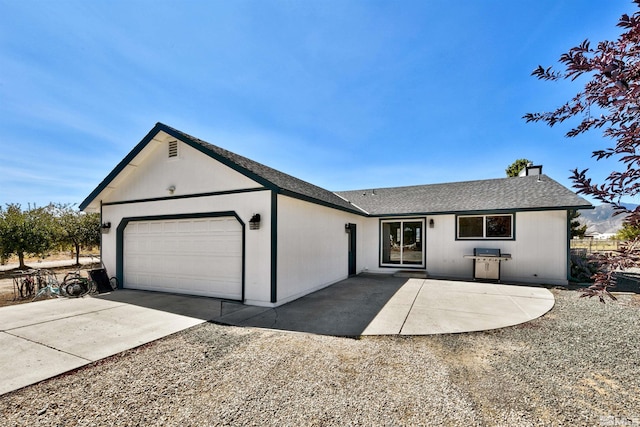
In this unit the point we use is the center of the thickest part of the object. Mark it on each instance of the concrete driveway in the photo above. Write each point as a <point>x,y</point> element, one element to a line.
<point>372,304</point>
<point>47,338</point>
<point>42,339</point>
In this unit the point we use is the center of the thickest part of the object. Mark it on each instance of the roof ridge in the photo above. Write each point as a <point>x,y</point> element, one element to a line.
<point>234,154</point>
<point>486,194</point>
<point>444,183</point>
<point>535,192</point>
<point>259,169</point>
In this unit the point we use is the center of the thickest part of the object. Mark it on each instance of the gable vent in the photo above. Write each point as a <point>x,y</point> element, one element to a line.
<point>173,149</point>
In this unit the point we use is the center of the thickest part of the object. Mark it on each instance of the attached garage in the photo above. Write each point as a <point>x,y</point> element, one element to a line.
<point>180,209</point>
<point>187,255</point>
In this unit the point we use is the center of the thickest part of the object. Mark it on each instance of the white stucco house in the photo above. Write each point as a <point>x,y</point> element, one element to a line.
<point>184,216</point>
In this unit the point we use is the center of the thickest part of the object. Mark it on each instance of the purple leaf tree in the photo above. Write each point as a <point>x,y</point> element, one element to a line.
<point>609,101</point>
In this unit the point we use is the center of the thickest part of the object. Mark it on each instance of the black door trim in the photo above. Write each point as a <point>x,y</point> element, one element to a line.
<point>127,220</point>
<point>352,248</point>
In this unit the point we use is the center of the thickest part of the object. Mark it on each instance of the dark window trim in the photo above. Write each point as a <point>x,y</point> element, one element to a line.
<point>423,239</point>
<point>484,215</point>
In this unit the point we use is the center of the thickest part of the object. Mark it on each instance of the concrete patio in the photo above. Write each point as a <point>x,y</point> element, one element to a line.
<point>371,304</point>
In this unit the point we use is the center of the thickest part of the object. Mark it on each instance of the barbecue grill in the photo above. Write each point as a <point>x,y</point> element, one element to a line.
<point>486,263</point>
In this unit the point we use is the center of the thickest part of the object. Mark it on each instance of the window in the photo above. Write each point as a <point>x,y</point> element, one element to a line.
<point>485,227</point>
<point>402,243</point>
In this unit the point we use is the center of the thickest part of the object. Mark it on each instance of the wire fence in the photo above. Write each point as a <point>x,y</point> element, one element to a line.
<point>588,246</point>
<point>582,269</point>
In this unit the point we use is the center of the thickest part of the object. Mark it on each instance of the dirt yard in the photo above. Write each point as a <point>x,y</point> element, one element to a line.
<point>575,366</point>
<point>8,294</point>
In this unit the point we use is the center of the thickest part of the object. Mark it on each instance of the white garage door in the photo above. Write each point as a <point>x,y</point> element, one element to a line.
<point>197,256</point>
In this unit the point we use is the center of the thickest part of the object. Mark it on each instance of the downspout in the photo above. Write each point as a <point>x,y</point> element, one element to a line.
<point>274,246</point>
<point>568,246</point>
<point>101,222</point>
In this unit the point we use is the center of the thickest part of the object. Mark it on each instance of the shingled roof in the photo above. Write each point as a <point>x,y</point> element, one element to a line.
<point>519,193</point>
<point>269,177</point>
<point>536,192</point>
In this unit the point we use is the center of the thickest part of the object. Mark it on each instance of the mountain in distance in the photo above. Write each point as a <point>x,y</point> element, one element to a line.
<point>601,220</point>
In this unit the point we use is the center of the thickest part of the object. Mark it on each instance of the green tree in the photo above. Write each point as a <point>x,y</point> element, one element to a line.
<point>515,167</point>
<point>577,230</point>
<point>26,232</point>
<point>628,232</point>
<point>82,230</point>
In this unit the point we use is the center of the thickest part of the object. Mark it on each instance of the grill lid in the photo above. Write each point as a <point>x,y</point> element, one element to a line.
<point>486,252</point>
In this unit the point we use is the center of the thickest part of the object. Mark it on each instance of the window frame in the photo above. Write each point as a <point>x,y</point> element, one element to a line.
<point>422,236</point>
<point>484,217</point>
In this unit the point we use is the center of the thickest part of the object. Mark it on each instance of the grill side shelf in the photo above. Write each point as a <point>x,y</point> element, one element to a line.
<point>502,257</point>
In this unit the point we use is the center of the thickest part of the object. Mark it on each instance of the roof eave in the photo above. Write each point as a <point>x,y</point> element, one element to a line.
<point>355,210</point>
<point>485,211</point>
<point>160,127</point>
<point>120,166</point>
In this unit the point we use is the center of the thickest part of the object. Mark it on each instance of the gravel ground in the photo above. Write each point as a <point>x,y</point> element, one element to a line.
<point>577,365</point>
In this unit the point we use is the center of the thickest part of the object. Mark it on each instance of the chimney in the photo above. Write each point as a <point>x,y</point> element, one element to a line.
<point>530,169</point>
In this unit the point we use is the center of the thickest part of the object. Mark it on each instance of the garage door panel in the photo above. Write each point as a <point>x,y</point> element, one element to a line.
<point>220,273</point>
<point>185,285</point>
<point>194,256</point>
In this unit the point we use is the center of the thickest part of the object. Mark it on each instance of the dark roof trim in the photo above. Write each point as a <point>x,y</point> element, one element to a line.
<point>486,211</point>
<point>304,198</point>
<point>222,193</point>
<point>202,147</point>
<point>274,180</point>
<point>186,196</point>
<point>227,162</point>
<point>128,158</point>
<point>159,127</point>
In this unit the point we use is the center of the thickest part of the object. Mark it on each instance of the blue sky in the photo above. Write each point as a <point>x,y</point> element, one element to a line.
<point>344,94</point>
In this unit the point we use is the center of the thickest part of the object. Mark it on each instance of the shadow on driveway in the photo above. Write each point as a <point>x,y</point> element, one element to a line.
<point>343,309</point>
<point>203,308</point>
<point>370,304</point>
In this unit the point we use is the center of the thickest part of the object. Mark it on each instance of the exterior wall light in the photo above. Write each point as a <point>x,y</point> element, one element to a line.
<point>431,223</point>
<point>254,222</point>
<point>347,228</point>
<point>171,189</point>
<point>105,227</point>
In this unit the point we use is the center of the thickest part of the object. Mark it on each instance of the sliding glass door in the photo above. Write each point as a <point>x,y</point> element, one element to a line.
<point>402,242</point>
